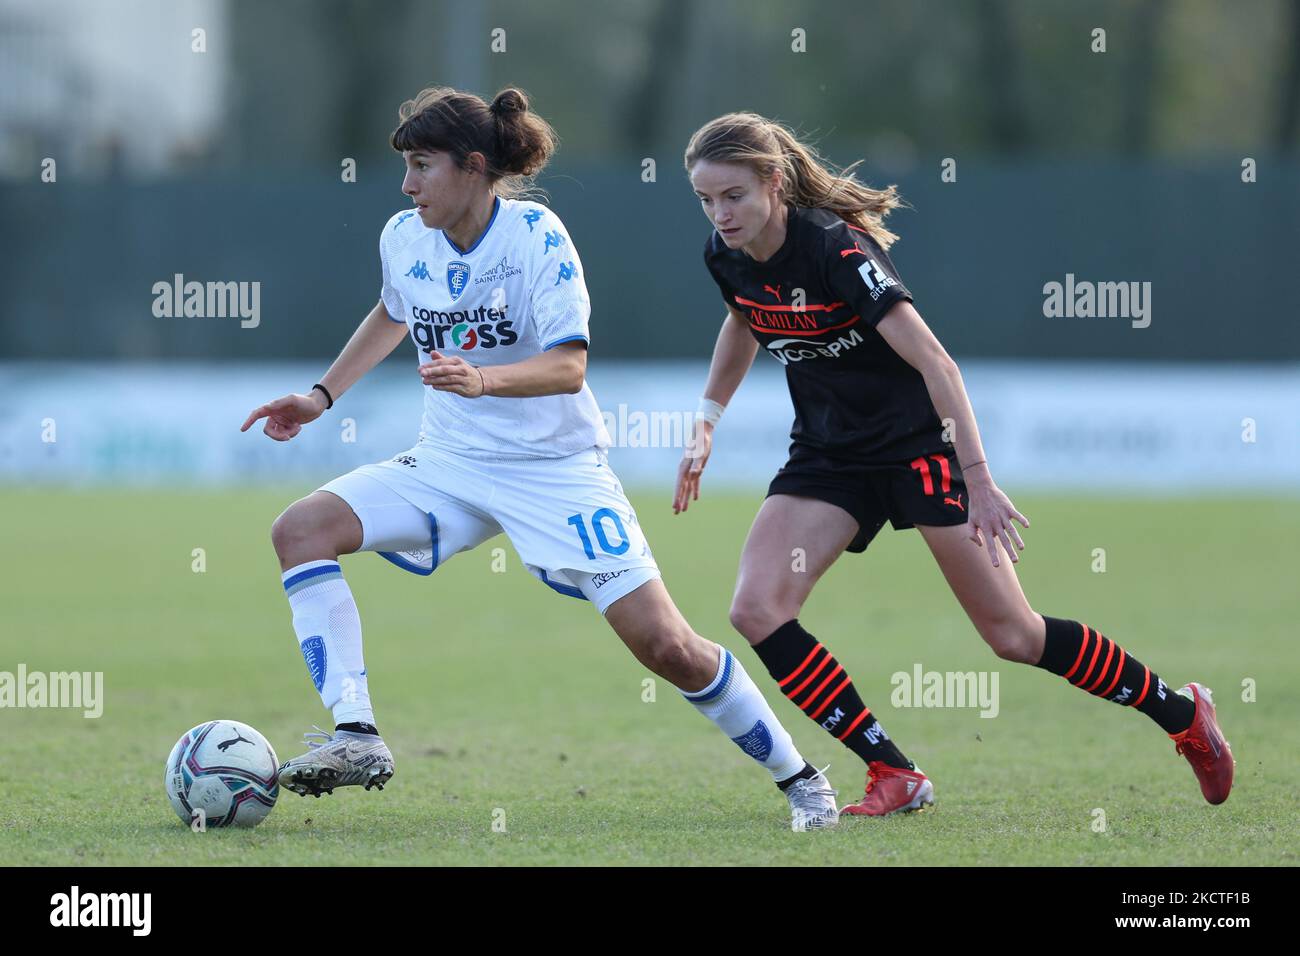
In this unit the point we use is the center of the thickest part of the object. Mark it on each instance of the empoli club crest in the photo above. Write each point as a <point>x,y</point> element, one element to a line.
<point>457,278</point>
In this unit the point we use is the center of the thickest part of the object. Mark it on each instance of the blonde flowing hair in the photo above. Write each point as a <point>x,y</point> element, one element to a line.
<point>806,178</point>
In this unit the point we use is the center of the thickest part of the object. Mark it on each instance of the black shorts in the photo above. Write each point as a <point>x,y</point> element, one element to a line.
<point>928,490</point>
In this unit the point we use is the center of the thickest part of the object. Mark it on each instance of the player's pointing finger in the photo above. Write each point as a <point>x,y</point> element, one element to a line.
<point>253,416</point>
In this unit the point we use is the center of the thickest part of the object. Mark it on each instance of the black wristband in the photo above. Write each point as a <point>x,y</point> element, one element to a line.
<point>328,397</point>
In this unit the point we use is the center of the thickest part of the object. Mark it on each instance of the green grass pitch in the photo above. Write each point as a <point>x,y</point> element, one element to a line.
<point>497,694</point>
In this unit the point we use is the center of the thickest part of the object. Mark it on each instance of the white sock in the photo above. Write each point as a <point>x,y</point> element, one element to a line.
<point>741,712</point>
<point>329,635</point>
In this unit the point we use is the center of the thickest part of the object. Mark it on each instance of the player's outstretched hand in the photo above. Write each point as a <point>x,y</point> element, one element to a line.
<point>692,465</point>
<point>452,374</point>
<point>992,514</point>
<point>286,416</point>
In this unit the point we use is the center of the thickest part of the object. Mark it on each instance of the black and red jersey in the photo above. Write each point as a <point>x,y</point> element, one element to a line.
<point>813,306</point>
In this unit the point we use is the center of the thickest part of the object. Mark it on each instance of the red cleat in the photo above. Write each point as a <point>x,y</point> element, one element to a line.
<point>892,790</point>
<point>1204,747</point>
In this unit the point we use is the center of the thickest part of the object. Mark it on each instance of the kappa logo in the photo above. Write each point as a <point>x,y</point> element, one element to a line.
<point>402,218</point>
<point>419,271</point>
<point>605,577</point>
<point>554,239</point>
<point>531,217</point>
<point>457,278</point>
<point>567,271</point>
<point>407,460</point>
<point>875,278</point>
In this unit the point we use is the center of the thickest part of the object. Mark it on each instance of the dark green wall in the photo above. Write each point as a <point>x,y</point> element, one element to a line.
<point>79,261</point>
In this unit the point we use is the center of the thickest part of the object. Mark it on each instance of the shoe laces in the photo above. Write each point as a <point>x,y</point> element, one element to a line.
<point>877,770</point>
<point>1197,744</point>
<point>808,796</point>
<point>313,744</point>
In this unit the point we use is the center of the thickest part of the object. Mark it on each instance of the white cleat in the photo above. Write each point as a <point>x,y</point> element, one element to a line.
<point>812,804</point>
<point>341,759</point>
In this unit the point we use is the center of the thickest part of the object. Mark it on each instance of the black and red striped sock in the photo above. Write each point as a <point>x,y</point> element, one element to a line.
<point>1095,663</point>
<point>817,684</point>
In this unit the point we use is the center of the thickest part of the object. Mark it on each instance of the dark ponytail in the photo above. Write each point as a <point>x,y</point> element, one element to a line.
<point>516,142</point>
<point>524,141</point>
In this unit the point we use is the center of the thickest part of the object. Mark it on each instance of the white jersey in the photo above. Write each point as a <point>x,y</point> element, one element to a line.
<point>516,292</point>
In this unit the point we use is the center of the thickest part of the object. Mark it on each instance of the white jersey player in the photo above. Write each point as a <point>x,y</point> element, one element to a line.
<point>490,289</point>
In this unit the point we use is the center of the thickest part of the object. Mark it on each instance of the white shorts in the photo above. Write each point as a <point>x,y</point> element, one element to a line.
<point>568,518</point>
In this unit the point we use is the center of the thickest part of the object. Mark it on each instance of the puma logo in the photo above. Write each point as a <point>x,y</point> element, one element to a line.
<point>226,744</point>
<point>775,291</point>
<point>845,253</point>
<point>957,502</point>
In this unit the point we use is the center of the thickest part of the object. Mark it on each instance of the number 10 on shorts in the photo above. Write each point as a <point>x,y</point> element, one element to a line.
<point>602,536</point>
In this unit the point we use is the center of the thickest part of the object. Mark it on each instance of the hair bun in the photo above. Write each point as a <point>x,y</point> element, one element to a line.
<point>509,100</point>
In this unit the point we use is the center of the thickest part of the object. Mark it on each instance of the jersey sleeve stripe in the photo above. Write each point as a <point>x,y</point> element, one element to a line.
<point>567,338</point>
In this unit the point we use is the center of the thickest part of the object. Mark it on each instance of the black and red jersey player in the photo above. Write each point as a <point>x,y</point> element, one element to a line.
<point>883,431</point>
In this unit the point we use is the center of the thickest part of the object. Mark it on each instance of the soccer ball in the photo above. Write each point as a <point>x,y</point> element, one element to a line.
<point>220,774</point>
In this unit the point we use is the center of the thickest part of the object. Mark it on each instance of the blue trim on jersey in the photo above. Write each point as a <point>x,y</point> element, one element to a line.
<point>311,573</point>
<point>479,241</point>
<point>708,695</point>
<point>567,338</point>
<point>415,568</point>
<point>565,589</point>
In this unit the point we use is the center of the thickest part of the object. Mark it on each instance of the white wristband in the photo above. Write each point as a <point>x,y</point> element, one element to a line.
<point>709,411</point>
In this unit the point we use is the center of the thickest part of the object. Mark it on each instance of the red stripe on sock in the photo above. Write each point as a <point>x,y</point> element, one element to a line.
<point>1110,653</point>
<point>820,687</point>
<point>828,700</point>
<point>866,712</point>
<point>1119,669</point>
<point>794,673</point>
<point>1146,683</point>
<point>1082,647</point>
<point>811,677</point>
<point>1091,664</point>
